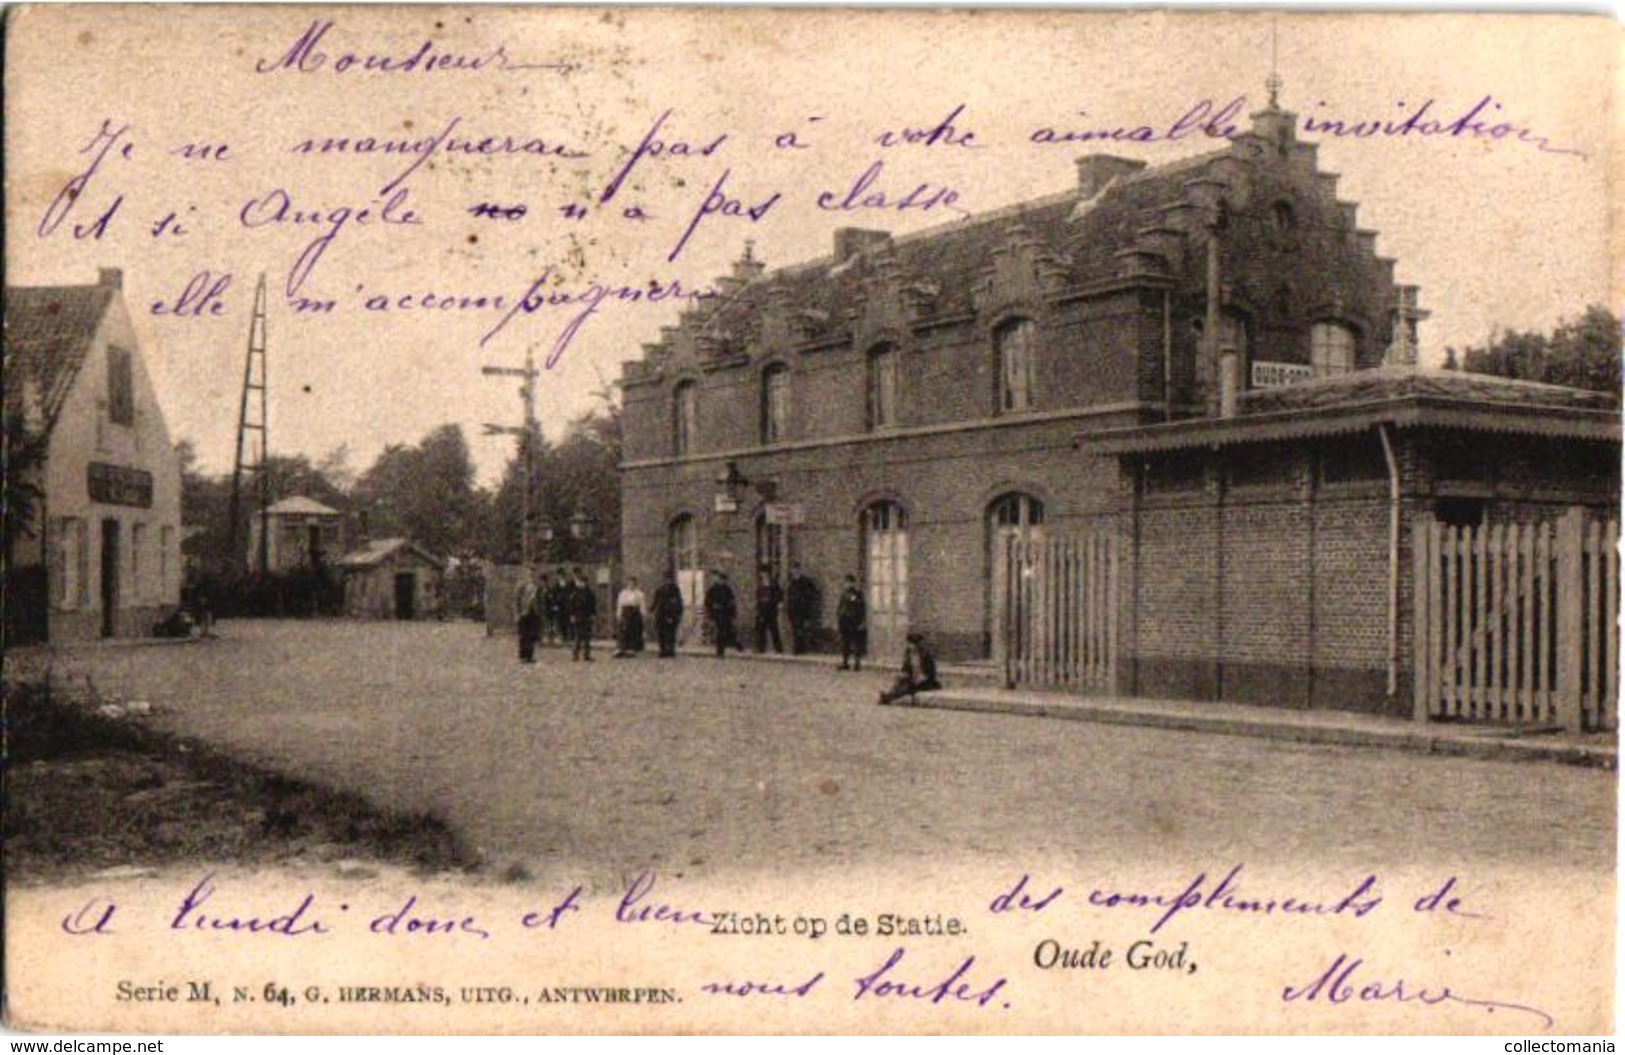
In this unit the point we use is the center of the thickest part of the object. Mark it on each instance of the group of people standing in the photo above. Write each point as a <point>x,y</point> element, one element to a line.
<point>556,611</point>
<point>799,601</point>
<point>567,608</point>
<point>633,612</point>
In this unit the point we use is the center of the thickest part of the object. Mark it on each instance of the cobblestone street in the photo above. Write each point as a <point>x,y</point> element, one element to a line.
<point>700,766</point>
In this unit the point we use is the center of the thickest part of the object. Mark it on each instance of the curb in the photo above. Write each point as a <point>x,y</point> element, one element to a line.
<point>1432,743</point>
<point>1487,746</point>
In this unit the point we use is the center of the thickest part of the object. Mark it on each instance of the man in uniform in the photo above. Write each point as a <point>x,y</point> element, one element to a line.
<point>769,597</point>
<point>583,608</point>
<point>668,613</point>
<point>556,609</point>
<point>852,620</point>
<point>720,609</point>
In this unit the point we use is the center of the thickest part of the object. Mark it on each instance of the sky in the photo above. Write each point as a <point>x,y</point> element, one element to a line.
<point>202,113</point>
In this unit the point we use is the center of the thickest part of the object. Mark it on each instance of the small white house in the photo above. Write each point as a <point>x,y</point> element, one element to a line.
<point>392,578</point>
<point>100,555</point>
<point>301,533</point>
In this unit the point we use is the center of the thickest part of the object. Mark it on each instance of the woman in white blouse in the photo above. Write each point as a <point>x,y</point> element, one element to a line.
<point>631,608</point>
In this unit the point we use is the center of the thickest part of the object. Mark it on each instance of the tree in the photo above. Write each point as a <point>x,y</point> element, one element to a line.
<point>425,493</point>
<point>205,515</point>
<point>336,469</point>
<point>1582,353</point>
<point>292,475</point>
<point>23,457</point>
<point>1585,353</point>
<point>577,476</point>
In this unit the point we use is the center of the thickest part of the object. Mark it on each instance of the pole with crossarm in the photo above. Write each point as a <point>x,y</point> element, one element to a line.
<point>527,434</point>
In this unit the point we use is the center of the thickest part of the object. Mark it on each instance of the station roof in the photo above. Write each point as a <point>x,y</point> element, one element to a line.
<point>1404,397</point>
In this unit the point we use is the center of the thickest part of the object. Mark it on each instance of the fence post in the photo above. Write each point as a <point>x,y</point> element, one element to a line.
<point>1001,603</point>
<point>1570,623</point>
<point>1422,594</point>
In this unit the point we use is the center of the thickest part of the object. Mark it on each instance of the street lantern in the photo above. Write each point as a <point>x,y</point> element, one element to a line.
<point>582,524</point>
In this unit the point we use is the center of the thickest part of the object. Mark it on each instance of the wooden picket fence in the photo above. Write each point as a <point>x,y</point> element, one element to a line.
<point>1518,624</point>
<point>1055,610</point>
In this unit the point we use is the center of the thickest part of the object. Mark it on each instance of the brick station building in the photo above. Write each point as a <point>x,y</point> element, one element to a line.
<point>898,409</point>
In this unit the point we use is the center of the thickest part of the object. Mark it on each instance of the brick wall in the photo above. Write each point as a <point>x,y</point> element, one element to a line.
<point>944,481</point>
<point>1260,592</point>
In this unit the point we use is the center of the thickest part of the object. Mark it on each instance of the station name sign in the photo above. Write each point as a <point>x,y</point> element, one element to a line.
<point>119,485</point>
<point>1279,375</point>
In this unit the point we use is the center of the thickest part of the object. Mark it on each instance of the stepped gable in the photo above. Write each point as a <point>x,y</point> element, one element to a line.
<point>1122,222</point>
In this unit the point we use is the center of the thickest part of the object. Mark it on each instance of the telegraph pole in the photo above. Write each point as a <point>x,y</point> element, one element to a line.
<point>253,459</point>
<point>528,434</point>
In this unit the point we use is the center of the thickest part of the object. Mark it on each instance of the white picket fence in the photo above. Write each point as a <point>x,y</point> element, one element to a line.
<point>1518,624</point>
<point>1055,610</point>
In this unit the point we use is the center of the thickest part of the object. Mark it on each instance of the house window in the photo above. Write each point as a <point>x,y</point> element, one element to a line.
<point>1013,350</point>
<point>1331,349</point>
<point>291,550</point>
<point>166,559</point>
<point>685,417</point>
<point>120,387</point>
<point>71,563</point>
<point>882,383</point>
<point>140,566</point>
<point>775,403</point>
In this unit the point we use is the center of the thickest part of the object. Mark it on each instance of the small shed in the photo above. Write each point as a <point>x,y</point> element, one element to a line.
<point>300,533</point>
<point>392,578</point>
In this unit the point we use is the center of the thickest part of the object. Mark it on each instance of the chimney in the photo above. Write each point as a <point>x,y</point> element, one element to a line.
<point>747,268</point>
<point>1407,313</point>
<point>850,241</point>
<point>111,277</point>
<point>1097,170</point>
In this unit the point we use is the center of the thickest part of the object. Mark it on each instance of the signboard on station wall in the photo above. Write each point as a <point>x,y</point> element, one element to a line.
<point>1279,375</point>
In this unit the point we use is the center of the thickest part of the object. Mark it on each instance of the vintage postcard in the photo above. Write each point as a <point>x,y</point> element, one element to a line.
<point>636,520</point>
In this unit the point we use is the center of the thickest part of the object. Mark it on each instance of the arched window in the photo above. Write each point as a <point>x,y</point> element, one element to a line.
<point>683,557</point>
<point>885,547</point>
<point>882,386</point>
<point>683,544</point>
<point>1015,512</point>
<point>775,403</point>
<point>1013,515</point>
<point>1013,355</point>
<point>1281,218</point>
<point>773,548</point>
<point>685,417</point>
<point>1331,349</point>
